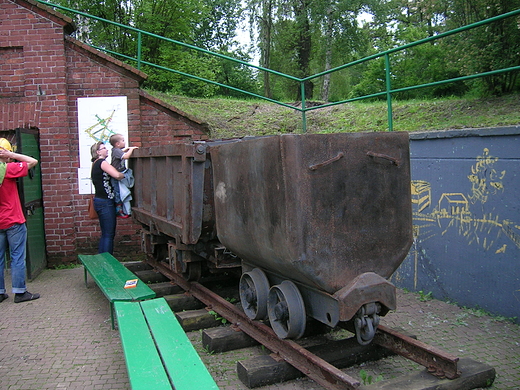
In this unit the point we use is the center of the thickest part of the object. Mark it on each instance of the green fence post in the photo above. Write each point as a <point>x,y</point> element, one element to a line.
<point>388,93</point>
<point>304,111</point>
<point>139,37</point>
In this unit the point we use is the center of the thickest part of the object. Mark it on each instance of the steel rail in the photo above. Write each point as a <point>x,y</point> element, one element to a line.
<point>309,364</point>
<point>438,363</point>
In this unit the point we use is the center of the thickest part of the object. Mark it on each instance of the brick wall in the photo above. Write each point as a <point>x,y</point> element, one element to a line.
<point>43,71</point>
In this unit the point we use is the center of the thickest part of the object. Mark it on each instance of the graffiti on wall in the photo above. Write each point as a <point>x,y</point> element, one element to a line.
<point>463,214</point>
<point>100,131</point>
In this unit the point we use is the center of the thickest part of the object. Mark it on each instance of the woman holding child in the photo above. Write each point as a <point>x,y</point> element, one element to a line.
<point>104,203</point>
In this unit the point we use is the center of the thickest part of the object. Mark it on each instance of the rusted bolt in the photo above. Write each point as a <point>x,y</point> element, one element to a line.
<point>200,149</point>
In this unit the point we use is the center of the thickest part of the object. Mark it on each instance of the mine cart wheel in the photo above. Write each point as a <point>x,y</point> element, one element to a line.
<point>286,310</point>
<point>193,271</point>
<point>254,289</point>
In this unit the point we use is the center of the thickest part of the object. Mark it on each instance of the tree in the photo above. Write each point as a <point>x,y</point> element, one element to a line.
<point>208,24</point>
<point>216,29</point>
<point>490,47</point>
<point>262,17</point>
<point>343,40</point>
<point>304,37</point>
<point>304,43</point>
<point>405,21</point>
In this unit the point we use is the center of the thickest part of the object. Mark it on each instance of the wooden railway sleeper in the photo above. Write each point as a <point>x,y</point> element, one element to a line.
<point>309,364</point>
<point>437,362</point>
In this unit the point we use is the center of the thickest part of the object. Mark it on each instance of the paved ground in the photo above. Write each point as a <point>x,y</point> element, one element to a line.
<point>64,340</point>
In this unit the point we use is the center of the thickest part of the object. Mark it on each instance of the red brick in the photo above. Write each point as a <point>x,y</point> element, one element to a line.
<point>35,56</point>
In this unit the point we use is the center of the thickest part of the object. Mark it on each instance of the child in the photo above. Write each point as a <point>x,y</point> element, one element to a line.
<point>119,154</point>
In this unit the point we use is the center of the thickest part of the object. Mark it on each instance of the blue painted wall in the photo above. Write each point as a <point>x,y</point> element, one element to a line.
<point>466,215</point>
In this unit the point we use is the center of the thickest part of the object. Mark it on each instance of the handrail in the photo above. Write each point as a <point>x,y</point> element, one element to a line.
<point>197,77</point>
<point>419,42</point>
<point>303,110</point>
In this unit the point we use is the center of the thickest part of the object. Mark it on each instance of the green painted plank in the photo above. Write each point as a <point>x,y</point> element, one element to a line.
<point>145,369</point>
<point>101,269</point>
<point>110,275</point>
<point>186,369</point>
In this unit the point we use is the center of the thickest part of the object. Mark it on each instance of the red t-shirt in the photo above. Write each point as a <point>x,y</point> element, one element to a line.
<point>10,206</point>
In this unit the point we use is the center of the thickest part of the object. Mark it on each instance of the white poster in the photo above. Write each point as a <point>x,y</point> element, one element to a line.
<point>98,119</point>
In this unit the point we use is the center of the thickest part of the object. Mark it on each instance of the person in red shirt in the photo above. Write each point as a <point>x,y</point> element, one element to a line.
<point>13,231</point>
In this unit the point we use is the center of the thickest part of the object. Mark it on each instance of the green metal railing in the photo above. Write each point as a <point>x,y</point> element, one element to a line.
<point>386,54</point>
<point>303,109</point>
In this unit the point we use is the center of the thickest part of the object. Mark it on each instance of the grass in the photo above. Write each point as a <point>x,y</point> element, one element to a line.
<point>425,297</point>
<point>478,312</point>
<point>236,118</point>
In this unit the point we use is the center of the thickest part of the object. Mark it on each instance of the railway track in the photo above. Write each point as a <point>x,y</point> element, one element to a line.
<point>438,363</point>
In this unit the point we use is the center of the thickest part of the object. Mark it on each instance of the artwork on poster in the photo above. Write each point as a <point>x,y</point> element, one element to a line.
<point>98,119</point>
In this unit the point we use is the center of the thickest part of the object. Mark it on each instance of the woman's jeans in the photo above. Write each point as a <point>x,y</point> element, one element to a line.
<point>16,236</point>
<point>106,211</point>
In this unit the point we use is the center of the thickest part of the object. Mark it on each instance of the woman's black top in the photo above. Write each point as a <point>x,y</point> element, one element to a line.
<point>101,181</point>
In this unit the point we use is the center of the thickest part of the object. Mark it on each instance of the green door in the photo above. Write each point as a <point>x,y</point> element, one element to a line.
<point>30,189</point>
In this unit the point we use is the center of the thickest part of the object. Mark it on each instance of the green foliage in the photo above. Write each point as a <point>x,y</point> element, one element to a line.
<point>218,317</point>
<point>479,312</point>
<point>372,81</point>
<point>490,47</point>
<point>217,25</point>
<point>202,66</point>
<point>236,75</point>
<point>367,379</point>
<point>425,297</point>
<point>207,350</point>
<point>304,37</point>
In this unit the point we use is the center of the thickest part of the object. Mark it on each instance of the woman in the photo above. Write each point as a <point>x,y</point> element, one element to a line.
<point>104,203</point>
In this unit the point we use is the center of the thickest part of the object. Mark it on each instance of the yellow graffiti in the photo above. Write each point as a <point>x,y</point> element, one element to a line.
<point>100,130</point>
<point>421,194</point>
<point>484,179</point>
<point>501,250</point>
<point>453,209</point>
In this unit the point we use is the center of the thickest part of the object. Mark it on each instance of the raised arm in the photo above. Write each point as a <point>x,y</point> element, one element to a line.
<point>128,152</point>
<point>6,154</point>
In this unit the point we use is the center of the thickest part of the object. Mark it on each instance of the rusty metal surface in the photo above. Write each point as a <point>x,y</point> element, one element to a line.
<point>437,362</point>
<point>320,208</point>
<point>365,288</point>
<point>169,191</point>
<point>309,364</point>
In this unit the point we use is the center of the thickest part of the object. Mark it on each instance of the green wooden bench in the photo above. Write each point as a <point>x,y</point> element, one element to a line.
<point>111,275</point>
<point>157,351</point>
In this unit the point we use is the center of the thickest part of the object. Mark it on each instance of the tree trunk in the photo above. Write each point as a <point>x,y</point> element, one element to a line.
<point>328,57</point>
<point>304,45</point>
<point>266,27</point>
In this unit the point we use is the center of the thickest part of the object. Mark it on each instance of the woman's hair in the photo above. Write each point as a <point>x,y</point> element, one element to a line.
<point>94,148</point>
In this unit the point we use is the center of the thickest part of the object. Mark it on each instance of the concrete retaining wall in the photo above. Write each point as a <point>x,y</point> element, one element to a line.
<point>466,215</point>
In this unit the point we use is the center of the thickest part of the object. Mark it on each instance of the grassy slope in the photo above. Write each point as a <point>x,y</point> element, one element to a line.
<point>231,118</point>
